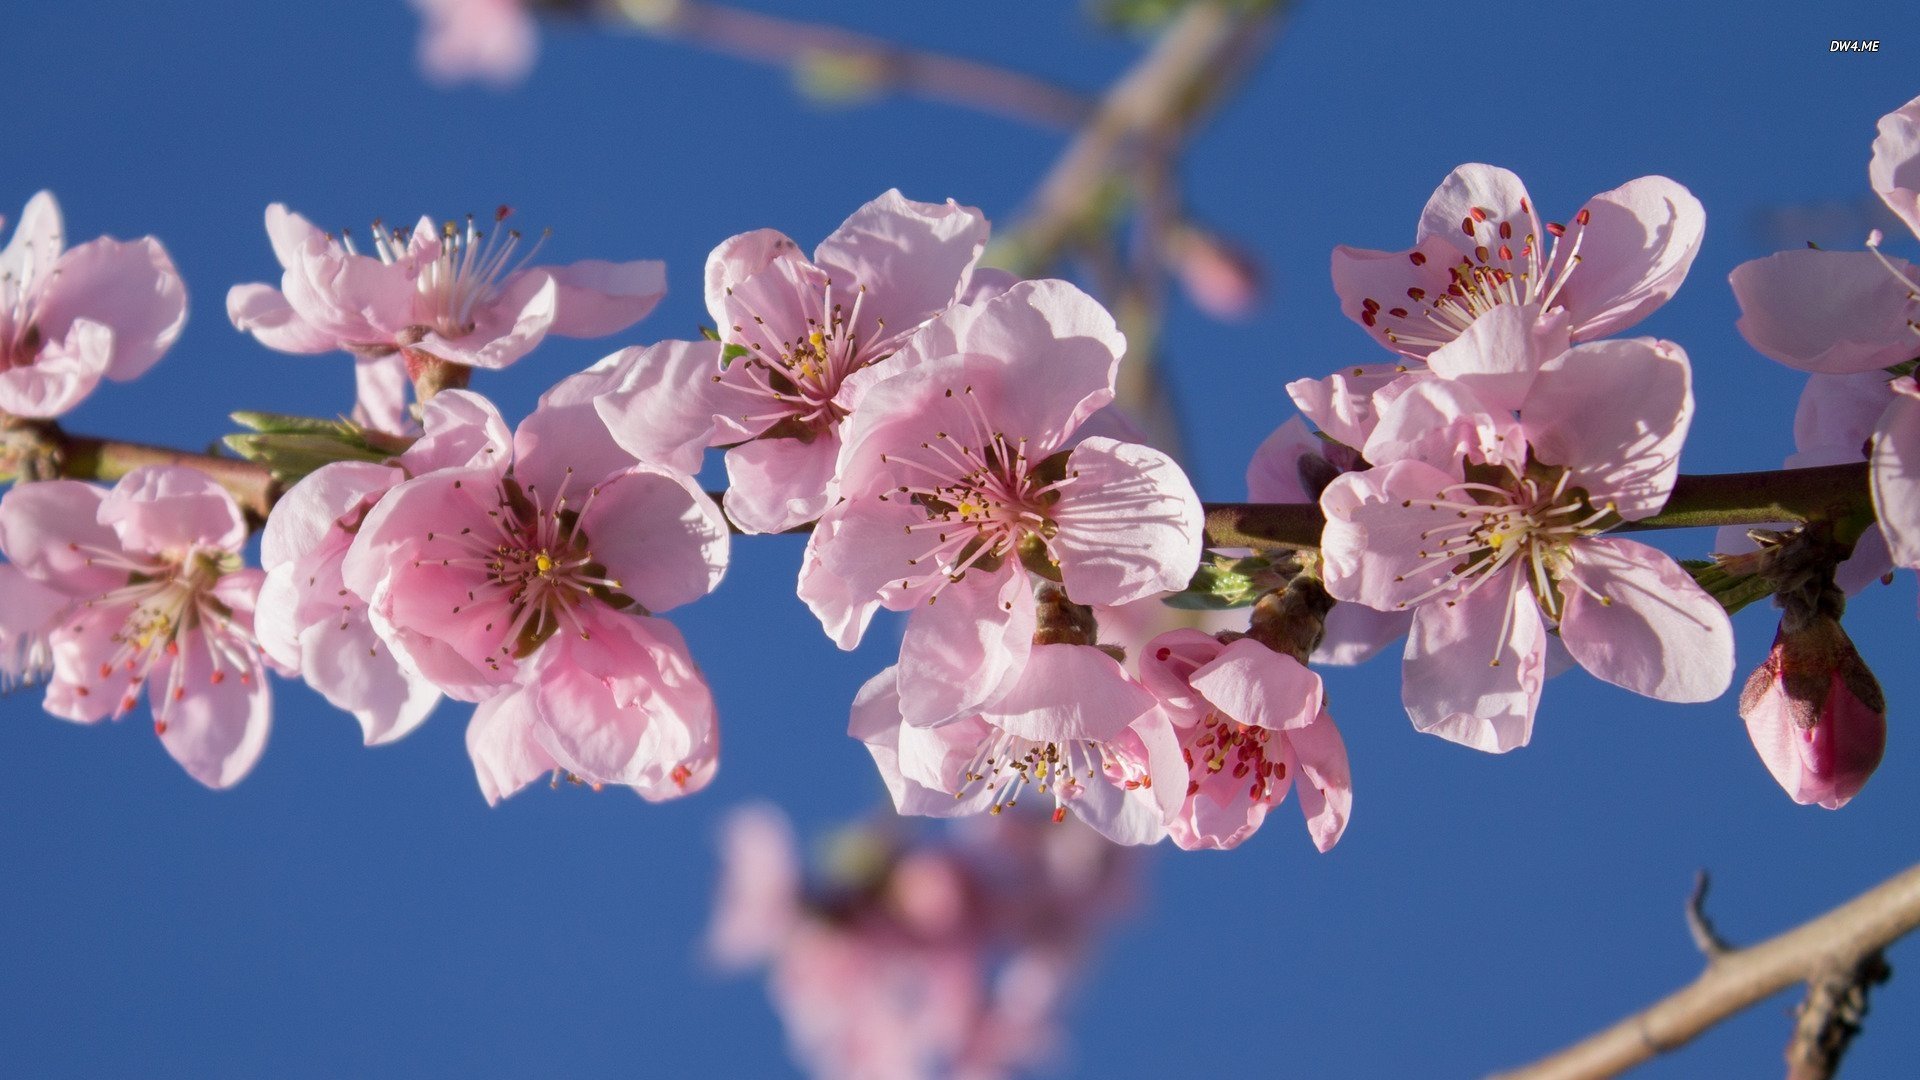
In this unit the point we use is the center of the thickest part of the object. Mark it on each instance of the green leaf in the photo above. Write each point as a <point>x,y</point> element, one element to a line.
<point>710,333</point>
<point>731,353</point>
<point>1733,590</point>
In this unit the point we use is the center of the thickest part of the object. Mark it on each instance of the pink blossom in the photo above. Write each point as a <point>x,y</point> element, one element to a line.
<point>798,340</point>
<point>530,585</point>
<point>108,308</point>
<point>448,293</point>
<point>495,40</point>
<point>965,468</point>
<point>1250,722</point>
<point>1857,313</point>
<point>1480,246</point>
<point>906,958</point>
<point>1816,714</point>
<point>1075,730</point>
<point>309,620</point>
<point>1486,527</point>
<point>152,594</point>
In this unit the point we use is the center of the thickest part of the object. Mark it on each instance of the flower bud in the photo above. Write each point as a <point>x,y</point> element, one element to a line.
<point>1218,277</point>
<point>1815,713</point>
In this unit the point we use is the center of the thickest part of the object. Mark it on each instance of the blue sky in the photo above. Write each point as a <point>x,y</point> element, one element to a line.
<point>354,912</point>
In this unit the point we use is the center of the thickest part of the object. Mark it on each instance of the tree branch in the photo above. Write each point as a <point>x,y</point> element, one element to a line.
<point>1835,950</point>
<point>867,61</point>
<point>34,450</point>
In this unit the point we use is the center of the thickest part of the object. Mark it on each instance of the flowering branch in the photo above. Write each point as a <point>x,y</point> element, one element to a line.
<point>1837,954</point>
<point>1833,492</point>
<point>839,59</point>
<point>39,450</point>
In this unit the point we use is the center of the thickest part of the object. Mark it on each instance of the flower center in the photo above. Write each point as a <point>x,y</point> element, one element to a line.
<point>22,287</point>
<point>983,498</point>
<point>1496,273</point>
<point>1220,751</point>
<point>1008,765</point>
<point>1520,522</point>
<point>168,601</point>
<point>466,271</point>
<point>802,375</point>
<point>532,560</point>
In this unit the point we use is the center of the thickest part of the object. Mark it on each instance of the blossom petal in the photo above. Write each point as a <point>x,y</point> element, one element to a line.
<point>217,728</point>
<point>778,484</point>
<point>45,528</point>
<point>1896,474</point>
<point>913,258</point>
<point>1466,683</point>
<point>1129,524</point>
<point>595,298</point>
<point>459,430</point>
<point>1317,758</point>
<point>662,404</point>
<point>130,286</point>
<point>1481,194</point>
<point>1656,632</point>
<point>917,765</point>
<point>1639,241</point>
<point>262,310</point>
<point>1441,421</point>
<point>62,375</point>
<point>1501,353</point>
<point>1834,312</point>
<point>1068,693</point>
<point>1615,414</point>
<point>1895,168</point>
<point>658,535</point>
<point>966,649</point>
<point>1254,685</point>
<point>739,258</point>
<point>170,508</point>
<point>506,756</point>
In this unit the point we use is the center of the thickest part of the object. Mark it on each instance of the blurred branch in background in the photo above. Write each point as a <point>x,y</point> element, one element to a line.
<point>1838,955</point>
<point>835,63</point>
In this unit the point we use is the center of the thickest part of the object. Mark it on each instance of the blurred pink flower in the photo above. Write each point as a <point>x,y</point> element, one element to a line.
<point>108,308</point>
<point>153,595</point>
<point>448,293</point>
<point>494,40</point>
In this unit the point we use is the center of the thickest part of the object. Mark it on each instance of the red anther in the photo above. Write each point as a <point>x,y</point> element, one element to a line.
<point>1416,295</point>
<point>1466,226</point>
<point>106,670</point>
<point>1506,230</point>
<point>82,691</point>
<point>173,648</point>
<point>1554,228</point>
<point>1193,788</point>
<point>1131,785</point>
<point>1279,770</point>
<point>1240,771</point>
<point>680,775</point>
<point>1162,653</point>
<point>179,693</point>
<point>1478,213</point>
<point>1482,253</point>
<point>1188,754</point>
<point>1370,304</point>
<point>1506,252</point>
<point>245,679</point>
<point>1059,814</point>
<point>217,678</point>
<point>1254,792</point>
<point>159,727</point>
<point>1523,205</point>
<point>127,703</point>
<point>503,212</point>
<point>1146,781</point>
<point>1398,313</point>
<point>1583,216</point>
<point>1417,258</point>
<point>1367,317</point>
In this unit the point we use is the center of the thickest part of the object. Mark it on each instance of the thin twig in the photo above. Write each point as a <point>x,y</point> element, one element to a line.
<point>1831,1016</point>
<point>1843,939</point>
<point>1705,938</point>
<point>871,62</point>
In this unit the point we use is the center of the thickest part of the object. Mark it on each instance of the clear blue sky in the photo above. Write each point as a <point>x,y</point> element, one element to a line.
<point>354,912</point>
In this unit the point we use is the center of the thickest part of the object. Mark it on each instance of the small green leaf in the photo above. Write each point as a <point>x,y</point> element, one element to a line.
<point>731,353</point>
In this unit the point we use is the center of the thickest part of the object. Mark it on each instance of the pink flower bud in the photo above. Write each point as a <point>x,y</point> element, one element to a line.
<point>1218,277</point>
<point>1816,714</point>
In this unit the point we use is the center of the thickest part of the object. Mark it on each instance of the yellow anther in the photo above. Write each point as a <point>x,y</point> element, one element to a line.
<point>544,563</point>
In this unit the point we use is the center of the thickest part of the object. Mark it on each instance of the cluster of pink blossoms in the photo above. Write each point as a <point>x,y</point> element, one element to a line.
<point>1467,486</point>
<point>909,960</point>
